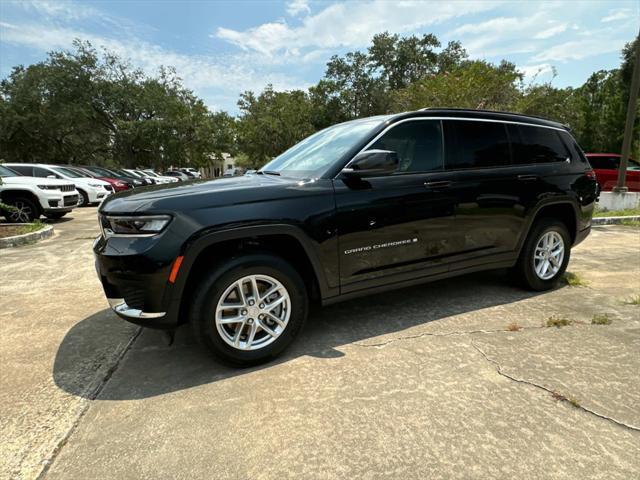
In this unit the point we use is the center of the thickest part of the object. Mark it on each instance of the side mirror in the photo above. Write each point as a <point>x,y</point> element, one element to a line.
<point>372,163</point>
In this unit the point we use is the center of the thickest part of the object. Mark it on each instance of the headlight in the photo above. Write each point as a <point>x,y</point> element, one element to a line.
<point>140,225</point>
<point>49,187</point>
<point>138,182</point>
<point>95,185</point>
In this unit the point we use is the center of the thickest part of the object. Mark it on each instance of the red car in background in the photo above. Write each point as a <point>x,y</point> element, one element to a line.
<point>606,167</point>
<point>118,184</point>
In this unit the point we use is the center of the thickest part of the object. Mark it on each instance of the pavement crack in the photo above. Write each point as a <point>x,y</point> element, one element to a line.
<point>447,334</point>
<point>555,394</point>
<point>90,395</point>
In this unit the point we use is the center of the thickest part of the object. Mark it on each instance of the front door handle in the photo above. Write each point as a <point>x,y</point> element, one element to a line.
<point>527,178</point>
<point>438,184</point>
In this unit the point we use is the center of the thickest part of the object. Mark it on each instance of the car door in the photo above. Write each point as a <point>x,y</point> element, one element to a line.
<point>490,191</point>
<point>397,226</point>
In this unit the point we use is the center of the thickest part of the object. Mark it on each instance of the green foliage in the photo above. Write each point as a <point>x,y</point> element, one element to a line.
<point>85,106</point>
<point>574,280</point>
<point>82,107</point>
<point>474,84</point>
<point>601,319</point>
<point>556,321</point>
<point>272,122</point>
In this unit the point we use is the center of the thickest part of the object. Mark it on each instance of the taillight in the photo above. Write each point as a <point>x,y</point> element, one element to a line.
<point>591,174</point>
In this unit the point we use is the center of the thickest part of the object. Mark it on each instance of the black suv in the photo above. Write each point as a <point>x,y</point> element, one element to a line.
<point>361,207</point>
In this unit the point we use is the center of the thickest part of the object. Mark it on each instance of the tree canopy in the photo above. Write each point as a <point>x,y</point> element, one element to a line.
<point>85,106</point>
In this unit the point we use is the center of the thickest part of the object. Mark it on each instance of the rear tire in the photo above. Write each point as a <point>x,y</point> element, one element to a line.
<point>544,256</point>
<point>230,324</point>
<point>26,210</point>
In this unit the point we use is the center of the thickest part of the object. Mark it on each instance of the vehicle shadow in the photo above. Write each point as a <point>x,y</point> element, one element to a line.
<point>152,367</point>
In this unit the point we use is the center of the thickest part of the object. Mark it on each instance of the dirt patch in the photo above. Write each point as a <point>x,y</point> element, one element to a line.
<point>10,230</point>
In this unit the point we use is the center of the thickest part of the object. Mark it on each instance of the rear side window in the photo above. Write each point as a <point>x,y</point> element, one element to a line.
<point>417,143</point>
<point>536,145</point>
<point>574,148</point>
<point>24,170</point>
<point>475,144</point>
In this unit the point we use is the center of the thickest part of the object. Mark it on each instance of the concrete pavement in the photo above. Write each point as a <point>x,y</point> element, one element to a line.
<point>427,382</point>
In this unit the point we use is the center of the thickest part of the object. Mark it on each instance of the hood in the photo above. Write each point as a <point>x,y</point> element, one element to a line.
<point>200,194</point>
<point>24,180</point>
<point>87,181</point>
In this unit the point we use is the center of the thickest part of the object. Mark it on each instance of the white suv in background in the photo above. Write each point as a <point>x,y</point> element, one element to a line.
<point>31,197</point>
<point>91,190</point>
<point>160,178</point>
<point>192,171</point>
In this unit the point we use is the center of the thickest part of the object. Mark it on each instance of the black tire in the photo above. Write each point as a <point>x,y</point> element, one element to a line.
<point>55,215</point>
<point>214,284</point>
<point>27,210</point>
<point>83,198</point>
<point>524,270</point>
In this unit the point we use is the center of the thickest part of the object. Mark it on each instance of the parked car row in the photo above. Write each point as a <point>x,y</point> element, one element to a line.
<point>32,189</point>
<point>606,166</point>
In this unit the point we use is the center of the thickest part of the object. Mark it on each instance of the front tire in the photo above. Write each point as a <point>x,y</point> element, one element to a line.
<point>24,210</point>
<point>544,256</point>
<point>248,309</point>
<point>83,199</point>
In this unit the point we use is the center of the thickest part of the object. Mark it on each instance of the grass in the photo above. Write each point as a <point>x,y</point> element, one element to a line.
<point>630,223</point>
<point>557,321</point>
<point>31,227</point>
<point>617,213</point>
<point>561,398</point>
<point>633,300</point>
<point>514,327</point>
<point>601,319</point>
<point>574,280</point>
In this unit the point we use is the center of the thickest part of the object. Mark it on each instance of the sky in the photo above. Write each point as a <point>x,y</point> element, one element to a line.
<point>222,48</point>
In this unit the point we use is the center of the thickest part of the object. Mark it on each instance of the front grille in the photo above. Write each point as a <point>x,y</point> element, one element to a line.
<point>67,188</point>
<point>108,187</point>
<point>70,200</point>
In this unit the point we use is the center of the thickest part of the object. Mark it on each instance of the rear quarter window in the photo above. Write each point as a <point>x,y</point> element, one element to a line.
<point>532,144</point>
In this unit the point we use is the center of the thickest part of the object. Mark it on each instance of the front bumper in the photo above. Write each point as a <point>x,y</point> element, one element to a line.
<point>119,306</point>
<point>97,195</point>
<point>134,274</point>
<point>57,201</point>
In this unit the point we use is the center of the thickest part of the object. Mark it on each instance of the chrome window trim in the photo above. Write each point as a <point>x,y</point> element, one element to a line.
<point>440,119</point>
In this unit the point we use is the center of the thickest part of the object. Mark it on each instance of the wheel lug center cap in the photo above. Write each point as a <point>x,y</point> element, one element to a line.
<point>253,312</point>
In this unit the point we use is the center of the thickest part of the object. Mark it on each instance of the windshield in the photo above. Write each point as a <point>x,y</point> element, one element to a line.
<point>66,172</point>
<point>7,172</point>
<point>315,154</point>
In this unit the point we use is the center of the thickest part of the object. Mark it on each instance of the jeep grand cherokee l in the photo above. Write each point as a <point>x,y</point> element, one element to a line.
<point>361,207</point>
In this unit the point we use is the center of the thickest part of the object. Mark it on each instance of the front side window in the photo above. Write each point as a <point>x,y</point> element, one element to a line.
<point>475,144</point>
<point>536,145</point>
<point>417,143</point>
<point>44,173</point>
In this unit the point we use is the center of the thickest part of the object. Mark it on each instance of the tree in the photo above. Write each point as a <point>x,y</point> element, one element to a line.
<point>474,84</point>
<point>272,122</point>
<point>82,107</point>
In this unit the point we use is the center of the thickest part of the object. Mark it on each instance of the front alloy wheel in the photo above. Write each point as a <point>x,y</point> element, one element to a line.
<point>22,211</point>
<point>249,308</point>
<point>253,312</point>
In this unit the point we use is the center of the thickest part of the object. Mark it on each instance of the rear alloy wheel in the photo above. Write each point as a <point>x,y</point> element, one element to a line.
<point>545,255</point>
<point>23,211</point>
<point>249,309</point>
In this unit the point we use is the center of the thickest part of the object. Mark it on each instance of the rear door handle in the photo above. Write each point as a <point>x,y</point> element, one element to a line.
<point>438,184</point>
<point>527,178</point>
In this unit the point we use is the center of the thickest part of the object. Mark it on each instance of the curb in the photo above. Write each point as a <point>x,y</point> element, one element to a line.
<point>613,220</point>
<point>26,238</point>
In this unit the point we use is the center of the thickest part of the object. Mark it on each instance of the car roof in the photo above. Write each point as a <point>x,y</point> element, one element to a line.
<point>479,114</point>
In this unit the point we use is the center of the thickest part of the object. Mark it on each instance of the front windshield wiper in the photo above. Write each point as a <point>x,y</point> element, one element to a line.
<point>270,172</point>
